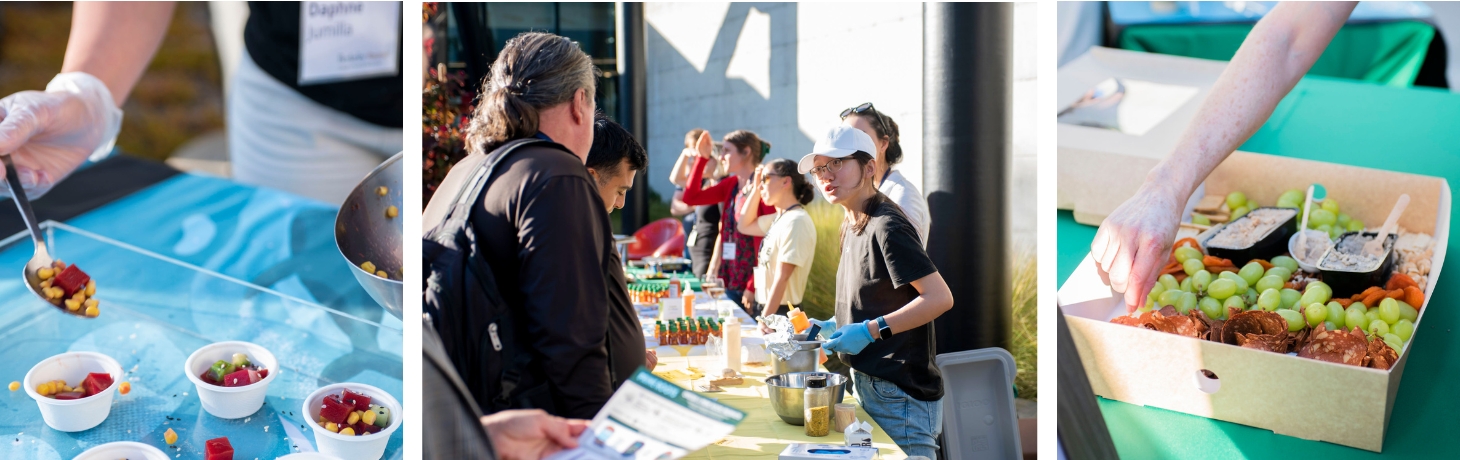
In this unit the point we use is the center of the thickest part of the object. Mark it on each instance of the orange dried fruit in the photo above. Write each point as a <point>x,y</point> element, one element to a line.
<point>1414,297</point>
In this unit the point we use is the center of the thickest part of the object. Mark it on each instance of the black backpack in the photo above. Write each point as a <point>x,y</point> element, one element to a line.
<point>476,326</point>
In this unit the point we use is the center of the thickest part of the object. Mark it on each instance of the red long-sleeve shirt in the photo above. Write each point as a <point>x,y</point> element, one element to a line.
<point>738,274</point>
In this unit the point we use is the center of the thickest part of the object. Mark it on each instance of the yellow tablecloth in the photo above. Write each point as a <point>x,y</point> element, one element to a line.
<point>762,434</point>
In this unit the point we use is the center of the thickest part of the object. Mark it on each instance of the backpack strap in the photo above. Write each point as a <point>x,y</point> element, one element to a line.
<point>461,206</point>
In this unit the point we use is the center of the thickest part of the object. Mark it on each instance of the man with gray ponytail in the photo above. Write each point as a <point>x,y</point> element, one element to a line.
<point>541,229</point>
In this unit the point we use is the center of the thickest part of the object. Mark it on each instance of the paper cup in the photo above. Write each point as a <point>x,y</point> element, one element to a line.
<point>230,402</point>
<point>368,447</point>
<point>128,450</point>
<point>76,414</point>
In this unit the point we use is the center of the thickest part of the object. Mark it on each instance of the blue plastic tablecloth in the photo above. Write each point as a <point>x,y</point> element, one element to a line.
<point>311,314</point>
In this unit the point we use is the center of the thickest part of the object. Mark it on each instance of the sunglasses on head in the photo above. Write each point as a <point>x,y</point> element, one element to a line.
<point>862,109</point>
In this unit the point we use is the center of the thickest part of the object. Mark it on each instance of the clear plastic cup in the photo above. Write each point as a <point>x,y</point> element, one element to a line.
<point>76,414</point>
<point>126,449</point>
<point>230,402</point>
<point>367,447</point>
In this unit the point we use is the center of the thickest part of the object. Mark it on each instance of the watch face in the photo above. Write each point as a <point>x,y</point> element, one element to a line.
<point>886,333</point>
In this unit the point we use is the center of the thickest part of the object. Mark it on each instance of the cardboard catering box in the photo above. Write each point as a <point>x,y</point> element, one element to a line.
<point>1279,392</point>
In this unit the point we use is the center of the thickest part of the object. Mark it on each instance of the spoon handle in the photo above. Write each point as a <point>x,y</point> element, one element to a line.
<point>17,193</point>
<point>1393,218</point>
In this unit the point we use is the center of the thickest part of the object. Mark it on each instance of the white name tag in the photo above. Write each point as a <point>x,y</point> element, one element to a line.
<point>727,252</point>
<point>341,41</point>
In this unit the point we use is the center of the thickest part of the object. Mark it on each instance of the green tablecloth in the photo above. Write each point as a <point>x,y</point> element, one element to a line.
<point>1407,130</point>
<point>639,273</point>
<point>1388,53</point>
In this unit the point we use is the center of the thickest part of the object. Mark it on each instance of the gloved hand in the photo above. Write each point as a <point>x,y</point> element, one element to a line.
<point>827,327</point>
<point>49,134</point>
<point>850,340</point>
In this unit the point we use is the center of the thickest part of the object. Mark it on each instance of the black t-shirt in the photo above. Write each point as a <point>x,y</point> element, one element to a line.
<point>624,332</point>
<point>547,238</point>
<point>873,280</point>
<point>272,38</point>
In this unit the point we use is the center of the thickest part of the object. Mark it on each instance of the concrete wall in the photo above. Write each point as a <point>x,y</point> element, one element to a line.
<point>786,70</point>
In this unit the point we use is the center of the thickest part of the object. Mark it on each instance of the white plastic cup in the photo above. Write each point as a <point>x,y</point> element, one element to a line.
<point>76,414</point>
<point>368,447</point>
<point>230,402</point>
<point>125,449</point>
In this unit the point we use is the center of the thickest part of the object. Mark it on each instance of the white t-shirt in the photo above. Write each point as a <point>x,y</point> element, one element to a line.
<point>906,195</point>
<point>791,239</point>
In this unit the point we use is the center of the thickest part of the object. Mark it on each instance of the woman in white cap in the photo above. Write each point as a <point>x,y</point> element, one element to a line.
<point>887,295</point>
<point>891,182</point>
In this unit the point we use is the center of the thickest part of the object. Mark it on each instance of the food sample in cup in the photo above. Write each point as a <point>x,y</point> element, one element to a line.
<point>236,372</point>
<point>1243,233</point>
<point>218,449</point>
<point>1316,244</point>
<point>352,414</point>
<point>68,286</point>
<point>1349,255</point>
<point>95,382</point>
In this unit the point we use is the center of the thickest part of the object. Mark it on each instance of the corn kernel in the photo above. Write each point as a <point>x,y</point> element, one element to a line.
<point>170,436</point>
<point>368,266</point>
<point>382,274</point>
<point>59,265</point>
<point>92,312</point>
<point>46,285</point>
<point>353,418</point>
<point>90,288</point>
<point>332,427</point>
<point>348,431</point>
<point>91,303</point>
<point>80,296</point>
<point>14,386</point>
<point>73,305</point>
<point>391,212</point>
<point>125,387</point>
<point>46,273</point>
<point>381,190</point>
<point>368,418</point>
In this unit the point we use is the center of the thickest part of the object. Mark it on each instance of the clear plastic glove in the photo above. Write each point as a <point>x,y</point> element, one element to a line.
<point>1134,242</point>
<point>50,133</point>
<point>850,340</point>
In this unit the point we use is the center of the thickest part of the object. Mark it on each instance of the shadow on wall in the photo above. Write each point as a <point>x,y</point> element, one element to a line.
<point>681,98</point>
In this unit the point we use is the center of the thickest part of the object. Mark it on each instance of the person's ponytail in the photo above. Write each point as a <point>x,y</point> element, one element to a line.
<point>534,71</point>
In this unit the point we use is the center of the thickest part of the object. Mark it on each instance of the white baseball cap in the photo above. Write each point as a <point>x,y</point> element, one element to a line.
<point>840,142</point>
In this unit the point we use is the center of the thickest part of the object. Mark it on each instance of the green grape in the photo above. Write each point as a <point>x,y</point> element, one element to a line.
<point>1355,225</point>
<point>1200,219</point>
<point>1269,282</point>
<point>1372,315</point>
<point>1222,289</point>
<point>1325,228</point>
<point>1186,253</point>
<point>1312,296</point>
<point>1186,303</point>
<point>1334,233</point>
<point>1389,310</point>
<point>1293,204</point>
<point>1321,217</point>
<point>1250,297</point>
<point>1330,205</point>
<point>1251,273</point>
<point>1290,297</point>
<point>1270,300</point>
<point>1186,285</point>
<point>1295,320</point>
<point>1233,302</point>
<point>1335,313</point>
<point>1236,200</point>
<point>1191,266</point>
<point>1150,305</point>
<point>1210,306</point>
<point>1286,262</point>
<point>1169,298</point>
<point>1201,280</point>
<point>1354,316</point>
<point>1396,344</point>
<point>1242,284</point>
<point>1343,220</point>
<point>1282,273</point>
<point>1239,212</point>
<point>1169,281</point>
<point>1407,311</point>
<point>1404,329</point>
<point>1295,196</point>
<point>1156,292</point>
<point>1378,328</point>
<point>1327,290</point>
<point>1330,325</point>
<point>1316,314</point>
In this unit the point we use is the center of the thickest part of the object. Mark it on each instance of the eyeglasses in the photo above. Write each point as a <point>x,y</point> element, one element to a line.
<point>865,107</point>
<point>833,165</point>
<point>766,177</point>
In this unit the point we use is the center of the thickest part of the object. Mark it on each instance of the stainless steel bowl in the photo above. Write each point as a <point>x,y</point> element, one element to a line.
<point>364,233</point>
<point>786,391</point>
<point>803,360</point>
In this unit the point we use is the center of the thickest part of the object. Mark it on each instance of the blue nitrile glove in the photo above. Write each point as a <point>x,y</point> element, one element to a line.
<point>827,327</point>
<point>850,340</point>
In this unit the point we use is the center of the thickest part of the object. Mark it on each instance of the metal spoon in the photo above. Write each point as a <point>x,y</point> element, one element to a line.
<point>1376,247</point>
<point>41,259</point>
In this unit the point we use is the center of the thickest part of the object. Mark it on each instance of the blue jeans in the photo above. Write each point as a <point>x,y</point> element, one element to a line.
<point>911,423</point>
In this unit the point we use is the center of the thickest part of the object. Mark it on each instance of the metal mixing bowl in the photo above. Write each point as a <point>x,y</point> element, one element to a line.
<point>786,391</point>
<point>363,233</point>
<point>801,361</point>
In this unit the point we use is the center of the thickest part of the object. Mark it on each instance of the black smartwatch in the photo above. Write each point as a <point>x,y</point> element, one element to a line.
<point>884,331</point>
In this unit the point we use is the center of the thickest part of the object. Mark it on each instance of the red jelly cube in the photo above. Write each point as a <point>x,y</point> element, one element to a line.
<point>263,374</point>
<point>361,402</point>
<point>70,395</point>
<point>365,428</point>
<point>218,449</point>
<point>237,379</point>
<point>71,279</point>
<point>207,377</point>
<point>96,383</point>
<point>335,410</point>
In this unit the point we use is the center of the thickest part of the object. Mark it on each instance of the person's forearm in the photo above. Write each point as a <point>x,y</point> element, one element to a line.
<point>714,269</point>
<point>747,220</point>
<point>680,174</point>
<point>677,208</point>
<point>933,300</point>
<point>777,294</point>
<point>1275,55</point>
<point>114,41</point>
